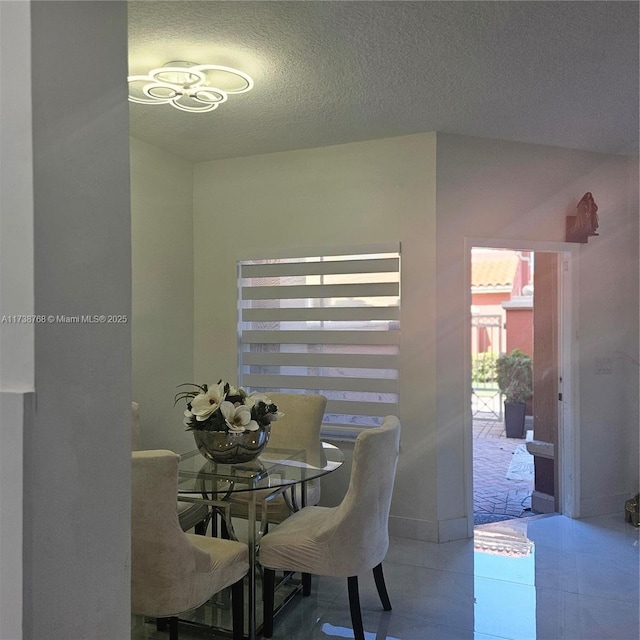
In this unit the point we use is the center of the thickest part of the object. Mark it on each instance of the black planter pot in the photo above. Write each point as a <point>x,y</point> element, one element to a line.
<point>514,419</point>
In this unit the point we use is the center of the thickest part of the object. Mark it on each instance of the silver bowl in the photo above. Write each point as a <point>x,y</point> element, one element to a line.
<point>231,448</point>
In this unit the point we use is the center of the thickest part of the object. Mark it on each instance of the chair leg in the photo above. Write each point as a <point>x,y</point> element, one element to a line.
<point>268,586</point>
<point>224,531</point>
<point>354,608</point>
<point>202,526</point>
<point>173,628</point>
<point>214,524</point>
<point>237,609</point>
<point>306,584</point>
<point>378,576</point>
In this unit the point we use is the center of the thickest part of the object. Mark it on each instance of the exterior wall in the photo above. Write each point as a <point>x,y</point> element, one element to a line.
<point>492,339</point>
<point>490,302</point>
<point>520,330</point>
<point>346,196</point>
<point>162,304</point>
<point>77,450</point>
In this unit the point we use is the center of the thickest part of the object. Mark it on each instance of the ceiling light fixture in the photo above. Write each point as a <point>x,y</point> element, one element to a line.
<point>197,88</point>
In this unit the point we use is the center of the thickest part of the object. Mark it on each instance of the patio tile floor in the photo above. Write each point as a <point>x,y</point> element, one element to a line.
<point>495,497</point>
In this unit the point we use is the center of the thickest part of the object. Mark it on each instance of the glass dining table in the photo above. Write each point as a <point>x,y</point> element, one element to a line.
<point>275,472</point>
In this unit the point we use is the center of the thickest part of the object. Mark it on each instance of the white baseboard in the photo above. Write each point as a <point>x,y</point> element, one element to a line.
<point>604,505</point>
<point>428,530</point>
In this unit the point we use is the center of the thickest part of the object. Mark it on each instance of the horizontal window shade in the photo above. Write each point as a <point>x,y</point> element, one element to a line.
<point>279,314</point>
<point>319,291</point>
<point>313,336</point>
<point>350,383</point>
<point>326,267</point>
<point>362,361</point>
<point>328,325</point>
<point>379,409</point>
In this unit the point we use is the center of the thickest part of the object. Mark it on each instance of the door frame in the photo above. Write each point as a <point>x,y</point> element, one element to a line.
<point>568,435</point>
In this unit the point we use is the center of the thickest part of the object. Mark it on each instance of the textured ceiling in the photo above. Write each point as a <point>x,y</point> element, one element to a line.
<point>330,72</point>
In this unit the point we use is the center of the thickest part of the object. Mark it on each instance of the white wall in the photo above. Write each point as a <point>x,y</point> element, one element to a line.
<point>77,449</point>
<point>354,194</point>
<point>608,300</point>
<point>16,298</point>
<point>162,305</point>
<point>510,191</point>
<point>384,190</point>
<point>16,199</point>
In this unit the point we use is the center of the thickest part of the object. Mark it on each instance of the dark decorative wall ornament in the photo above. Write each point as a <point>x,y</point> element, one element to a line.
<point>585,223</point>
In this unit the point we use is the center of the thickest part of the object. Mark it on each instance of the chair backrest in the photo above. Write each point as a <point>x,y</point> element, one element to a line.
<point>364,511</point>
<point>300,425</point>
<point>163,560</point>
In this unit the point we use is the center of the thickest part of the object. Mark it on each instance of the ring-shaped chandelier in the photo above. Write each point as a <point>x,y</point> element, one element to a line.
<point>196,88</point>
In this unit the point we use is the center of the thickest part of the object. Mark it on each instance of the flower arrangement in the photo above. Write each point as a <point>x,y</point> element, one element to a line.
<point>221,407</point>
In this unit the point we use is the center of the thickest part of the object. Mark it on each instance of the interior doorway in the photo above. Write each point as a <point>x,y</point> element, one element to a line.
<point>517,302</point>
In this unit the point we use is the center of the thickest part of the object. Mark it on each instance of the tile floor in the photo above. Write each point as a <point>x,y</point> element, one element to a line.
<point>522,577</point>
<point>541,577</point>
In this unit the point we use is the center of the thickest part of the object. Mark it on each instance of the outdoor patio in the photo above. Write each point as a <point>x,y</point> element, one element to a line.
<point>502,473</point>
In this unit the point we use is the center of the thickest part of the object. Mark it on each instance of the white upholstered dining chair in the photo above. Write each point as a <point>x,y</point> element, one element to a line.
<point>173,572</point>
<point>299,428</point>
<point>342,541</point>
<point>191,515</point>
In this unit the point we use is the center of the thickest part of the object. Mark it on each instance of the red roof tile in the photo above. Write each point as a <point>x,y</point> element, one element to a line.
<point>496,269</point>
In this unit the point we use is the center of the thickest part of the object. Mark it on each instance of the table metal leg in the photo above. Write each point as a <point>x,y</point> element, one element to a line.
<point>222,507</point>
<point>251,541</point>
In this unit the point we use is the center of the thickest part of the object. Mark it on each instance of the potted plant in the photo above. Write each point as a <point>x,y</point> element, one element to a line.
<point>515,379</point>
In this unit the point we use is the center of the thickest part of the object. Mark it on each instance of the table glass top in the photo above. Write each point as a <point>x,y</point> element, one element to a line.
<point>273,468</point>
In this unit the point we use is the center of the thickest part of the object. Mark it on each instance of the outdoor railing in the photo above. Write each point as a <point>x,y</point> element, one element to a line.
<point>486,402</point>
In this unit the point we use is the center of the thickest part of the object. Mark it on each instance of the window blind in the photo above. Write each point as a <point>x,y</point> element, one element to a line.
<point>327,324</point>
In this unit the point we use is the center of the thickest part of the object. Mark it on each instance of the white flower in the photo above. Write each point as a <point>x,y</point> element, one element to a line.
<point>204,404</point>
<point>188,417</point>
<point>238,418</point>
<point>253,398</point>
